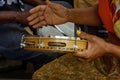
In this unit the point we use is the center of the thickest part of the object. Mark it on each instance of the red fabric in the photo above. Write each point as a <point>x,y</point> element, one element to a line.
<point>106,15</point>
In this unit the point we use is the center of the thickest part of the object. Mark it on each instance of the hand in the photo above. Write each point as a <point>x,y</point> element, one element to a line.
<point>96,47</point>
<point>49,14</point>
<point>22,17</point>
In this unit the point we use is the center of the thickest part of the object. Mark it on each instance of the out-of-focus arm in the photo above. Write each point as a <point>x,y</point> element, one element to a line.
<point>87,16</point>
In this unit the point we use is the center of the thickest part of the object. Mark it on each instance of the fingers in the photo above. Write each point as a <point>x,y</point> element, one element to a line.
<point>35,12</point>
<point>53,6</point>
<point>38,8</point>
<point>84,35</point>
<point>47,1</point>
<point>39,24</point>
<point>80,54</point>
<point>37,16</point>
<point>36,20</point>
<point>83,55</point>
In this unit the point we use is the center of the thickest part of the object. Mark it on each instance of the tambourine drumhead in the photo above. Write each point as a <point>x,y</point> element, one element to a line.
<point>59,30</point>
<point>67,28</point>
<point>48,31</point>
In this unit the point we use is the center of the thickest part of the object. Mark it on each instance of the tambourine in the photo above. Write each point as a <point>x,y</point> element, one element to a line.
<point>60,44</point>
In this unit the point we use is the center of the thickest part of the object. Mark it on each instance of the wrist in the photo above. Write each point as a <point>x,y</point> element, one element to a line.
<point>108,47</point>
<point>17,15</point>
<point>69,15</point>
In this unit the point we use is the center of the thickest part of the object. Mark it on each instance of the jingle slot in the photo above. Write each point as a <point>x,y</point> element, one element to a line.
<point>58,44</point>
<point>30,43</point>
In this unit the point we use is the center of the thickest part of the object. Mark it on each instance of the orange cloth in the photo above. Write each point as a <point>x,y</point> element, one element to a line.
<point>106,14</point>
<point>106,17</point>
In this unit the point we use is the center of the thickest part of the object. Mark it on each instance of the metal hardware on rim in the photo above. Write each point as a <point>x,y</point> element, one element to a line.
<point>58,44</point>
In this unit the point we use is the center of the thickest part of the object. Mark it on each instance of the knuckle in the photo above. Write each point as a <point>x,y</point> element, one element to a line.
<point>88,60</point>
<point>87,57</point>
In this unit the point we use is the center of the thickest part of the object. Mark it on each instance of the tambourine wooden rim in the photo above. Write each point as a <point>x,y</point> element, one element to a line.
<point>60,44</point>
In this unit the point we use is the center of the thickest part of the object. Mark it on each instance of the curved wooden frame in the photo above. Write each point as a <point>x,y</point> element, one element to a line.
<point>58,44</point>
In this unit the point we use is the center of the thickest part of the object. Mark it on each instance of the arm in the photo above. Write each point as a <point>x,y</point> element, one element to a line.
<point>17,16</point>
<point>52,14</point>
<point>113,49</point>
<point>13,16</point>
<point>33,2</point>
<point>6,16</point>
<point>87,16</point>
<point>97,47</point>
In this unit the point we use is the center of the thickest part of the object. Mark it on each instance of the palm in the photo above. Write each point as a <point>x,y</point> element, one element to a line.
<point>49,14</point>
<point>55,15</point>
<point>96,47</point>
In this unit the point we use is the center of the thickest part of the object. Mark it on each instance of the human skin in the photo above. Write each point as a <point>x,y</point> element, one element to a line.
<point>57,14</point>
<point>52,14</point>
<point>97,47</point>
<point>18,16</point>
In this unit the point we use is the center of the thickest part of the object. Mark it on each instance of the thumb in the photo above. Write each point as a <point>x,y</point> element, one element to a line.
<point>48,2</point>
<point>52,5</point>
<point>84,35</point>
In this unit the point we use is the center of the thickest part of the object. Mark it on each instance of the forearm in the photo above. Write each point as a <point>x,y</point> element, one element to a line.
<point>33,2</point>
<point>13,16</point>
<point>88,16</point>
<point>7,16</point>
<point>113,49</point>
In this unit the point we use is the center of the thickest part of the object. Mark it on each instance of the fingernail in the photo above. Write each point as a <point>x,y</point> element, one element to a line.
<point>78,32</point>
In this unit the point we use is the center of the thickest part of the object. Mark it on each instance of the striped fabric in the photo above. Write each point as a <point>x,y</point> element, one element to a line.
<point>115,6</point>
